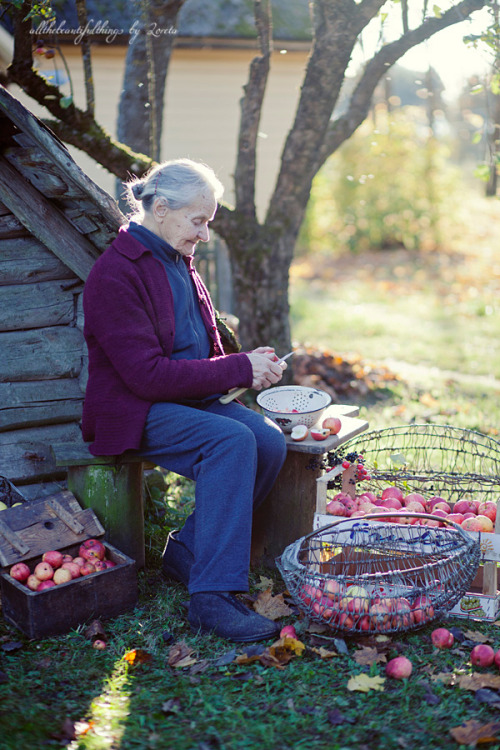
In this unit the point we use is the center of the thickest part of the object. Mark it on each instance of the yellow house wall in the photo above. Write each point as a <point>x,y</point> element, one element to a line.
<point>202,108</point>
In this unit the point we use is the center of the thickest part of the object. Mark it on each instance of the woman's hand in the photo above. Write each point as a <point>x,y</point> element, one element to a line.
<point>265,368</point>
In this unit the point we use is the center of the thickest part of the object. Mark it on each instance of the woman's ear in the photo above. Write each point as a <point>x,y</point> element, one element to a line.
<point>160,209</point>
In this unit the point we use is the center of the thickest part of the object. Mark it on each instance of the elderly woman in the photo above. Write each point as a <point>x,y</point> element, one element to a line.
<point>156,371</point>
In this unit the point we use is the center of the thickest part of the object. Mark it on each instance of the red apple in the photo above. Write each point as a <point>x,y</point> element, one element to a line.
<point>335,508</point>
<point>379,614</point>
<point>399,668</point>
<point>442,638</point>
<point>332,424</point>
<point>73,568</point>
<point>66,559</point>
<point>422,609</point>
<point>53,557</point>
<point>33,582</point>
<point>489,509</point>
<point>471,524</point>
<point>456,518</point>
<point>44,571</point>
<point>485,523</point>
<point>62,575</point>
<point>87,569</point>
<point>355,600</point>
<point>319,433</point>
<point>92,549</point>
<point>415,496</point>
<point>100,565</point>
<point>48,584</point>
<point>441,506</point>
<point>465,506</point>
<point>393,492</point>
<point>20,572</point>
<point>79,561</point>
<point>110,563</point>
<point>482,655</point>
<point>497,658</point>
<point>393,503</point>
<point>288,631</point>
<point>334,589</point>
<point>99,644</point>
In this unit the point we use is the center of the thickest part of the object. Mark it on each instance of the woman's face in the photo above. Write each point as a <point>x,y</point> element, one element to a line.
<point>184,227</point>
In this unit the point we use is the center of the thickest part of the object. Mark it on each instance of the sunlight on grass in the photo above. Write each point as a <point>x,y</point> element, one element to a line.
<point>108,714</point>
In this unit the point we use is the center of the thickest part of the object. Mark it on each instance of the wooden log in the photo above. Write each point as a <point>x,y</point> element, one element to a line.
<point>25,260</point>
<point>26,457</point>
<point>45,222</point>
<point>43,354</point>
<point>49,303</point>
<point>10,226</point>
<point>39,170</point>
<point>39,402</point>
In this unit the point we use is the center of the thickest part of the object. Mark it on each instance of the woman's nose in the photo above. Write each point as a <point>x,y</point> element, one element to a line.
<point>204,233</point>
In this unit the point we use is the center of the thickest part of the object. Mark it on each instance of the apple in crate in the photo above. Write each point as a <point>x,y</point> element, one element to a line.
<point>87,568</point>
<point>62,575</point>
<point>48,584</point>
<point>91,550</point>
<point>33,582</point>
<point>20,572</point>
<point>53,557</point>
<point>44,571</point>
<point>73,568</point>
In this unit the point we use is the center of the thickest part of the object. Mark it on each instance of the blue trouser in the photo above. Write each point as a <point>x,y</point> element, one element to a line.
<point>234,455</point>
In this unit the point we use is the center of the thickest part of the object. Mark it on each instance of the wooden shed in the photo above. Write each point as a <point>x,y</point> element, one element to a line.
<point>54,223</point>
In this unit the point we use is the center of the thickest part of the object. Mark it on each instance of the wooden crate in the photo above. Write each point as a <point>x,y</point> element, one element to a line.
<point>58,522</point>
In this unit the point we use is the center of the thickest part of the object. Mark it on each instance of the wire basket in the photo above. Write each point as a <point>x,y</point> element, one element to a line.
<point>359,577</point>
<point>431,459</point>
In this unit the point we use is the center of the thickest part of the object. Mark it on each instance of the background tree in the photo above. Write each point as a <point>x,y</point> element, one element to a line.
<point>261,252</point>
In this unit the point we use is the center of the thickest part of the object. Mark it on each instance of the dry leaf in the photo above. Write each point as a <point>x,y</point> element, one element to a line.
<point>180,655</point>
<point>367,656</point>
<point>476,680</point>
<point>265,583</point>
<point>364,683</point>
<point>317,627</point>
<point>323,653</point>
<point>277,655</point>
<point>476,636</point>
<point>271,606</point>
<point>447,678</point>
<point>171,706</point>
<point>471,732</point>
<point>287,644</point>
<point>137,656</point>
<point>95,630</point>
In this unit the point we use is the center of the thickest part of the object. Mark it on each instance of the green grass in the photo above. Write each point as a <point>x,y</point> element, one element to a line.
<point>416,309</point>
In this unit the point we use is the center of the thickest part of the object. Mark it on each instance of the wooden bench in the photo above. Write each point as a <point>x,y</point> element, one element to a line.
<point>113,487</point>
<point>288,512</point>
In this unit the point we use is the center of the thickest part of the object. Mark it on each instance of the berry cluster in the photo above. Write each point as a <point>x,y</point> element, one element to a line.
<point>41,49</point>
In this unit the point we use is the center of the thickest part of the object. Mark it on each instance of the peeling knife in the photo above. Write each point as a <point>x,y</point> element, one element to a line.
<point>236,392</point>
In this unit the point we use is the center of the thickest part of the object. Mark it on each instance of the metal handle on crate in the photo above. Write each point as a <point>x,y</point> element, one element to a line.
<point>373,516</point>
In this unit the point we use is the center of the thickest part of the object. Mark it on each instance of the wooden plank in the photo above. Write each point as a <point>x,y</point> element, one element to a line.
<point>351,426</point>
<point>45,222</point>
<point>10,226</point>
<point>28,404</point>
<point>42,354</point>
<point>25,260</point>
<point>40,171</point>
<point>25,455</point>
<point>48,303</point>
<point>39,490</point>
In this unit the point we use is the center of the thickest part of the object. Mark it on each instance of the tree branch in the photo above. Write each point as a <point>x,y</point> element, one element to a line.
<point>343,127</point>
<point>251,109</point>
<point>81,10</point>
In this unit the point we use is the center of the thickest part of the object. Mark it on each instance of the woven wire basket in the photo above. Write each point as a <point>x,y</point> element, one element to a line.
<point>431,459</point>
<point>359,577</point>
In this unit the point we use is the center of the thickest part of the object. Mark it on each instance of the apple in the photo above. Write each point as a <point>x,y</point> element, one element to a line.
<point>335,508</point>
<point>422,609</point>
<point>497,658</point>
<point>332,424</point>
<point>471,524</point>
<point>62,575</point>
<point>44,571</point>
<point>99,644</point>
<point>441,506</point>
<point>379,614</point>
<point>100,565</point>
<point>482,655</point>
<point>322,608</point>
<point>414,507</point>
<point>53,557</point>
<point>489,509</point>
<point>350,507</point>
<point>79,561</point>
<point>299,432</point>
<point>456,518</point>
<point>20,572</point>
<point>73,568</point>
<point>393,492</point>
<point>485,523</point>
<point>345,621</point>
<point>393,503</point>
<point>92,549</point>
<point>33,582</point>
<point>307,593</point>
<point>319,433</point>
<point>110,563</point>
<point>434,500</point>
<point>48,584</point>
<point>442,638</point>
<point>399,668</point>
<point>371,496</point>
<point>465,506</point>
<point>415,496</point>
<point>356,600</point>
<point>87,569</point>
<point>67,559</point>
<point>288,631</point>
<point>334,589</point>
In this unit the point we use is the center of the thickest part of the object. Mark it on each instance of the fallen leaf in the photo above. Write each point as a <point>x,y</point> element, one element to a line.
<point>364,683</point>
<point>264,584</point>
<point>447,678</point>
<point>225,659</point>
<point>485,695</point>
<point>477,680</point>
<point>172,706</point>
<point>367,656</point>
<point>137,656</point>
<point>277,655</point>
<point>476,636</point>
<point>471,732</point>
<point>95,630</point>
<point>11,646</point>
<point>180,655</point>
<point>199,667</point>
<point>323,653</point>
<point>317,627</point>
<point>272,607</point>
<point>287,643</point>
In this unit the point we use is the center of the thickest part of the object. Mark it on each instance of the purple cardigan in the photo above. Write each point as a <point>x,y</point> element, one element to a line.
<point>129,329</point>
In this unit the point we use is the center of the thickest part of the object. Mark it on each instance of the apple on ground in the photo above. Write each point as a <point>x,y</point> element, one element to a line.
<point>43,571</point>
<point>92,549</point>
<point>482,655</point>
<point>20,572</point>
<point>497,658</point>
<point>99,644</point>
<point>53,557</point>
<point>399,668</point>
<point>442,638</point>
<point>288,631</point>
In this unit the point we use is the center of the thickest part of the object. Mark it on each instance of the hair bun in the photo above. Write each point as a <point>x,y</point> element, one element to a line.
<point>137,190</point>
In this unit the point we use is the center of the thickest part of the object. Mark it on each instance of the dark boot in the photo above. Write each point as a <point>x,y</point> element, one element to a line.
<point>177,560</point>
<point>219,612</point>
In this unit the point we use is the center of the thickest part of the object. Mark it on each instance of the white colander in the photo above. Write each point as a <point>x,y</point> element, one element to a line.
<point>290,405</point>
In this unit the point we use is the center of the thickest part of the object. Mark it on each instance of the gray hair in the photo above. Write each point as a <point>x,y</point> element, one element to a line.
<point>179,182</point>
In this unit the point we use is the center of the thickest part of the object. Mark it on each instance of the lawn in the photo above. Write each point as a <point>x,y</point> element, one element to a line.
<point>432,319</point>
